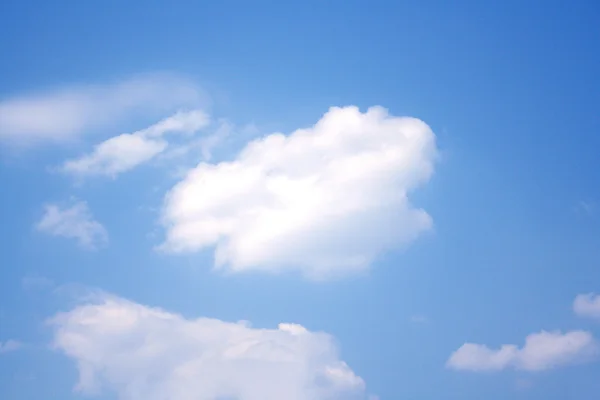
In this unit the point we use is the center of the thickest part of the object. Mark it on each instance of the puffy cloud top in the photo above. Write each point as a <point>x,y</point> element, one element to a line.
<point>543,350</point>
<point>587,305</point>
<point>324,200</point>
<point>145,353</point>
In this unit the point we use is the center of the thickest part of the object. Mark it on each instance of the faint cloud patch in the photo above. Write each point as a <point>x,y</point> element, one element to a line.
<point>200,149</point>
<point>25,377</point>
<point>69,111</point>
<point>33,282</point>
<point>420,319</point>
<point>74,222</point>
<point>586,208</point>
<point>9,346</point>
<point>523,384</point>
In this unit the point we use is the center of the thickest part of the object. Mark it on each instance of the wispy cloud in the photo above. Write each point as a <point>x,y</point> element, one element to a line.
<point>124,152</point>
<point>542,351</point>
<point>10,345</point>
<point>198,149</point>
<point>75,222</point>
<point>66,112</point>
<point>587,208</point>
<point>35,282</point>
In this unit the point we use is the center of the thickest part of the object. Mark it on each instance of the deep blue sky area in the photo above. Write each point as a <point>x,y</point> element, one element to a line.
<point>510,89</point>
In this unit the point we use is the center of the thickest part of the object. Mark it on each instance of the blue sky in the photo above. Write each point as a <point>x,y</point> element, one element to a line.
<point>485,116</point>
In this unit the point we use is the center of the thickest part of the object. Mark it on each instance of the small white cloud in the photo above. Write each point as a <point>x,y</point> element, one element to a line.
<point>542,351</point>
<point>76,222</point>
<point>116,155</point>
<point>124,152</point>
<point>10,345</point>
<point>71,111</point>
<point>587,305</point>
<point>325,200</point>
<point>144,353</point>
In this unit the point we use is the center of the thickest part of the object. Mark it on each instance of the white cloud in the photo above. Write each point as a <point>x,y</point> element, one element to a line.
<point>542,351</point>
<point>324,200</point>
<point>124,152</point>
<point>10,345</point>
<point>74,221</point>
<point>145,353</point>
<point>66,112</point>
<point>587,305</point>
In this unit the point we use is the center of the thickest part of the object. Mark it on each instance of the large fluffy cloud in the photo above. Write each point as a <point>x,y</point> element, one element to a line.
<point>74,221</point>
<point>587,305</point>
<point>65,112</point>
<point>325,200</point>
<point>543,350</point>
<point>145,353</point>
<point>124,152</point>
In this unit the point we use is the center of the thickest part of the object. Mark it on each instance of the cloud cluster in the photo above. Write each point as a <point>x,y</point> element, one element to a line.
<point>145,353</point>
<point>64,113</point>
<point>325,200</point>
<point>542,351</point>
<point>75,222</point>
<point>124,152</point>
